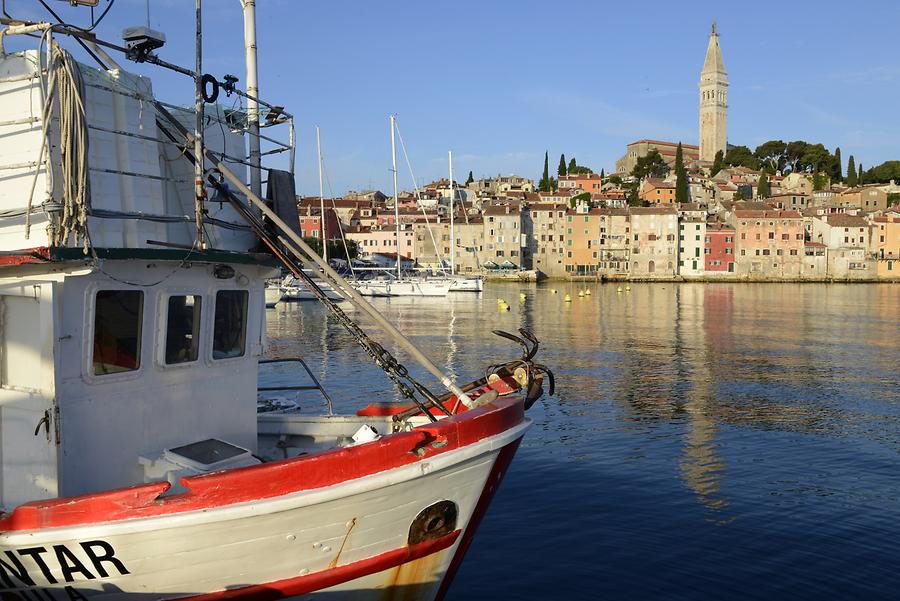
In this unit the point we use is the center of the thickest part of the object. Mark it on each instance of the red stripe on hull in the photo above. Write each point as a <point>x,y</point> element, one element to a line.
<point>274,479</point>
<point>490,488</point>
<point>328,578</point>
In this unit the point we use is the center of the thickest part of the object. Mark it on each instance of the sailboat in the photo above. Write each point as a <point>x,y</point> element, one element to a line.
<point>136,462</point>
<point>460,283</point>
<point>400,283</point>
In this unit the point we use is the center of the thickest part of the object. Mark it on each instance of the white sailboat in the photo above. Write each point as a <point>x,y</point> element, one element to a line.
<point>401,284</point>
<point>460,283</point>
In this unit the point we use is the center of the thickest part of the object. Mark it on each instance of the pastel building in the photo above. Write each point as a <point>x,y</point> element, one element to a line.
<point>691,246</point>
<point>718,249</point>
<point>654,242</point>
<point>769,244</point>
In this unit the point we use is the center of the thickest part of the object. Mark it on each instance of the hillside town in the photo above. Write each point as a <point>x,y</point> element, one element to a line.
<point>669,211</point>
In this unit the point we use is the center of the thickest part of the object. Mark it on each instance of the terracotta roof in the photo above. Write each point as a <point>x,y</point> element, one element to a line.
<point>844,220</point>
<point>773,214</point>
<point>672,144</point>
<point>653,210</point>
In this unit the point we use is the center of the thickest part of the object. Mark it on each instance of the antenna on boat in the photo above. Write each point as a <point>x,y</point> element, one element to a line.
<point>252,94</point>
<point>321,198</point>
<point>396,203</point>
<point>199,187</point>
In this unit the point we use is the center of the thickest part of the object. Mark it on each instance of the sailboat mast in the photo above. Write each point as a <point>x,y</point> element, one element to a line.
<point>249,7</point>
<point>321,198</point>
<point>452,232</point>
<point>396,201</point>
<point>199,187</point>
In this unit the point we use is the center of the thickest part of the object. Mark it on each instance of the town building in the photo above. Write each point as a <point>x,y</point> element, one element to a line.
<point>657,191</point>
<point>769,243</point>
<point>654,244</point>
<point>666,150</point>
<point>547,240</point>
<point>718,249</point>
<point>503,234</point>
<point>886,244</point>
<point>692,246</point>
<point>615,243</point>
<point>582,241</point>
<point>847,240</point>
<point>586,182</point>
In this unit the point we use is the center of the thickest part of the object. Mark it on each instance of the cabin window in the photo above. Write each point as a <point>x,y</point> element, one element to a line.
<point>183,329</point>
<point>117,331</point>
<point>230,329</point>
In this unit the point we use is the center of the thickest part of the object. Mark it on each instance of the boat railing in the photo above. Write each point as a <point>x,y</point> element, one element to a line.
<point>316,385</point>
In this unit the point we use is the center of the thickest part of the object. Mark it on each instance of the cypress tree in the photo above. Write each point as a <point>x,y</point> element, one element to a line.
<point>602,175</point>
<point>836,168</point>
<point>851,172</point>
<point>572,164</point>
<point>681,185</point>
<point>470,179</point>
<point>762,188</point>
<point>544,185</point>
<point>561,171</point>
<point>717,163</point>
<point>860,176</point>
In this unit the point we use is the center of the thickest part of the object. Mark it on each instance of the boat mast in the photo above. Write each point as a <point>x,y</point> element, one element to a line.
<point>396,202</point>
<point>199,188</point>
<point>252,94</point>
<point>321,198</point>
<point>452,233</point>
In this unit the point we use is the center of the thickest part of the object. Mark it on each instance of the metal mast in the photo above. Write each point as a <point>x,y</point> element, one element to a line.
<point>252,94</point>
<point>396,202</point>
<point>452,233</point>
<point>321,198</point>
<point>199,188</point>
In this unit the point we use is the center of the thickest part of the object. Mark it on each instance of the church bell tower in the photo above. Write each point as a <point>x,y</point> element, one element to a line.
<point>713,100</point>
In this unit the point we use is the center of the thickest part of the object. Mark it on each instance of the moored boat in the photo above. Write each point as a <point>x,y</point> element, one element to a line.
<point>135,462</point>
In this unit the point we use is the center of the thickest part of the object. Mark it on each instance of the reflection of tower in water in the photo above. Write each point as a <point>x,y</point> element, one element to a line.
<point>699,311</point>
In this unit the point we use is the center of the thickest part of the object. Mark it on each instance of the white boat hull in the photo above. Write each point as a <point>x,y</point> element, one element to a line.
<point>352,539</point>
<point>301,293</point>
<point>385,287</point>
<point>464,284</point>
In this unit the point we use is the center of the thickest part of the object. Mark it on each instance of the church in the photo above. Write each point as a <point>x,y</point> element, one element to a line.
<point>713,117</point>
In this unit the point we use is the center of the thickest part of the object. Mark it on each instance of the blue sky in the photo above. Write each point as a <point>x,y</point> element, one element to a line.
<point>500,82</point>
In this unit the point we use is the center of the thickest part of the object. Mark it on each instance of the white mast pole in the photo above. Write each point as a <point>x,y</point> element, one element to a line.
<point>396,201</point>
<point>452,233</point>
<point>199,163</point>
<point>321,198</point>
<point>253,94</point>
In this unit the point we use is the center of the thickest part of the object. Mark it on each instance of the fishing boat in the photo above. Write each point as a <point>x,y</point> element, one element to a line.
<point>293,289</point>
<point>135,461</point>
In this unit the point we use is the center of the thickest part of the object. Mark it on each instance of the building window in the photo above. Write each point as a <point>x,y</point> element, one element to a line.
<point>183,329</point>
<point>230,329</point>
<point>117,331</point>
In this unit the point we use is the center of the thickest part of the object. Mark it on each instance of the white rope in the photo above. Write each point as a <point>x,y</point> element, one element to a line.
<point>65,84</point>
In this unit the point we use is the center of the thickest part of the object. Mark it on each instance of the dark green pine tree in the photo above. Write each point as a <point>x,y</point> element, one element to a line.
<point>860,176</point>
<point>836,166</point>
<point>470,179</point>
<point>602,175</point>
<point>852,178</point>
<point>561,170</point>
<point>762,188</point>
<point>681,184</point>
<point>544,184</point>
<point>572,164</point>
<point>717,163</point>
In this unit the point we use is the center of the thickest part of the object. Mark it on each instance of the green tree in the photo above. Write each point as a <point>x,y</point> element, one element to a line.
<point>717,164</point>
<point>544,184</point>
<point>794,154</point>
<point>632,197</point>
<point>740,156</point>
<point>561,170</point>
<point>819,180</point>
<point>852,177</point>
<point>615,180</point>
<point>650,165</point>
<point>602,175</point>
<point>772,155</point>
<point>836,166</point>
<point>762,188</point>
<point>815,158</point>
<point>883,173</point>
<point>585,196</point>
<point>335,248</point>
<point>739,195</point>
<point>681,184</point>
<point>470,179</point>
<point>860,175</point>
<point>572,164</point>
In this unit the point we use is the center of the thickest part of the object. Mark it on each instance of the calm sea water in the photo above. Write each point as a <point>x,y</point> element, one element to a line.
<point>707,441</point>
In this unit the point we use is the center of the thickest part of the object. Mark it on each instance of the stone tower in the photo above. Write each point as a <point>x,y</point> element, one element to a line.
<point>713,100</point>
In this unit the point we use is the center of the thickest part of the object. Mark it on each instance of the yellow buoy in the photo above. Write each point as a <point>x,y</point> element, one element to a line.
<point>553,291</point>
<point>503,307</point>
<point>628,288</point>
<point>521,296</point>
<point>500,301</point>
<point>587,292</point>
<point>581,293</point>
<point>568,299</point>
<point>619,289</point>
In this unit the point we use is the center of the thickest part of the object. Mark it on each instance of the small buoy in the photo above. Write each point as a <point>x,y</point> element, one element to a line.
<point>619,289</point>
<point>628,288</point>
<point>521,296</point>
<point>587,292</point>
<point>553,291</point>
<point>568,299</point>
<point>503,307</point>
<point>500,301</point>
<point>581,293</point>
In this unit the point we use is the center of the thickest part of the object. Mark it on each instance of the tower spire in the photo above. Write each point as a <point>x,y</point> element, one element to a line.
<point>713,99</point>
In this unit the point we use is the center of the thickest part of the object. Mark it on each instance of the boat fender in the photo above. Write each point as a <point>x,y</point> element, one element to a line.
<point>433,522</point>
<point>209,97</point>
